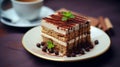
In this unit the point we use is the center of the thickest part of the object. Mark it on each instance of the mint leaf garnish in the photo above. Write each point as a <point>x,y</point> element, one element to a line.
<point>50,45</point>
<point>72,16</point>
<point>64,18</point>
<point>67,15</point>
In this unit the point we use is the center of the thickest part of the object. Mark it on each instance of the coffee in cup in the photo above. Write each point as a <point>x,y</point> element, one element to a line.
<point>27,9</point>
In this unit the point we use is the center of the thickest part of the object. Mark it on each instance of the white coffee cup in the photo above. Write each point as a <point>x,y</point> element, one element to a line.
<point>27,10</point>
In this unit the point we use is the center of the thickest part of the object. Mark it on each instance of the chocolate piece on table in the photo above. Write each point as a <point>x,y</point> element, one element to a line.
<point>108,23</point>
<point>102,22</point>
<point>93,21</point>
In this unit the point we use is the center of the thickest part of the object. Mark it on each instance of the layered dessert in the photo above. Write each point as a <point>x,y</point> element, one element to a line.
<point>66,33</point>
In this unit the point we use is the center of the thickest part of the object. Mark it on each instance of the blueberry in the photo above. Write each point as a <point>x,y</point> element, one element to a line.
<point>77,52</point>
<point>56,52</point>
<point>44,49</point>
<point>68,55</point>
<point>82,52</point>
<point>91,46</point>
<point>38,45</point>
<point>51,50</point>
<point>43,43</point>
<point>73,55</point>
<point>87,49</point>
<point>96,42</point>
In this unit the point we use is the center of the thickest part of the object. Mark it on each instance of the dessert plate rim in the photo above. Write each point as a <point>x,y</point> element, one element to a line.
<point>33,36</point>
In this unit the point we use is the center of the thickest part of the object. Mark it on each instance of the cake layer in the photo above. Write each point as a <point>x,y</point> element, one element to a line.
<point>75,45</point>
<point>66,43</point>
<point>57,40</point>
<point>84,30</point>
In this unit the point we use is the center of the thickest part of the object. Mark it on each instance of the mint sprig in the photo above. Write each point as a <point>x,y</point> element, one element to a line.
<point>67,15</point>
<point>50,45</point>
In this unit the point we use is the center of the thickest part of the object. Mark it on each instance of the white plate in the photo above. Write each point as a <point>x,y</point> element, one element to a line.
<point>17,22</point>
<point>33,36</point>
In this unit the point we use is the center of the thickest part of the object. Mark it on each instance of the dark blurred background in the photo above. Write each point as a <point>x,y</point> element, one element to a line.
<point>94,8</point>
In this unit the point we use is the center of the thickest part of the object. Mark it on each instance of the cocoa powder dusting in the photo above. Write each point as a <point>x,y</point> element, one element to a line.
<point>56,20</point>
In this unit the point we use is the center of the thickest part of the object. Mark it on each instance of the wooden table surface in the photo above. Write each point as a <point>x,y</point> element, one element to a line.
<point>12,53</point>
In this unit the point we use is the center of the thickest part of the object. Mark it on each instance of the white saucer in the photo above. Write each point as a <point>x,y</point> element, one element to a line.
<point>17,22</point>
<point>33,36</point>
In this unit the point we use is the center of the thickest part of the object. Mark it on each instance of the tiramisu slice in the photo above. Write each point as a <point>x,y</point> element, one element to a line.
<point>66,33</point>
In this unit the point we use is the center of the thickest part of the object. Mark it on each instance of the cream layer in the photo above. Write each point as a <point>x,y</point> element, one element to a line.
<point>60,30</point>
<point>61,42</point>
